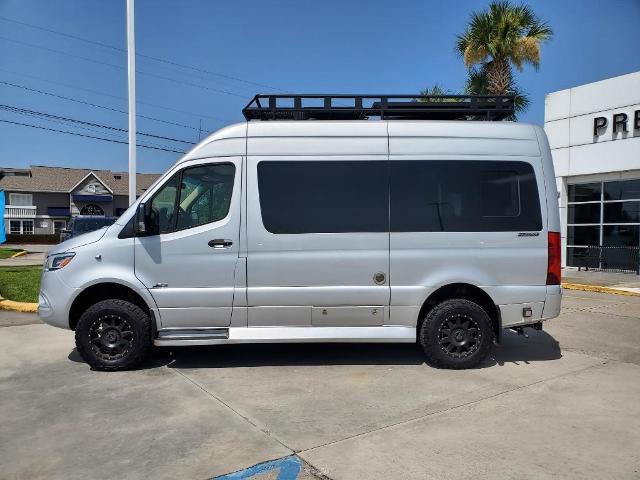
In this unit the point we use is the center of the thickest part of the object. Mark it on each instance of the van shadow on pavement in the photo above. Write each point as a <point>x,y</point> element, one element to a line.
<point>540,346</point>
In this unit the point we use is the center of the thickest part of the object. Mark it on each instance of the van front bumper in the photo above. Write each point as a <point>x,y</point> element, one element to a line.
<point>54,300</point>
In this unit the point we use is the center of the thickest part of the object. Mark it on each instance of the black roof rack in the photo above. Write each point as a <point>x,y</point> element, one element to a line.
<point>385,107</point>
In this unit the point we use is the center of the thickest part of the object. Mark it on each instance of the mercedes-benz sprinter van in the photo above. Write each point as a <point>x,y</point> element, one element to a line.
<point>282,230</point>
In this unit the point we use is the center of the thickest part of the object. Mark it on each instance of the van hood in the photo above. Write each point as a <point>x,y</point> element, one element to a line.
<point>79,241</point>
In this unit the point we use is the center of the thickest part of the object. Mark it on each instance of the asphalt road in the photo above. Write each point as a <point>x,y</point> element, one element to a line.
<point>561,404</point>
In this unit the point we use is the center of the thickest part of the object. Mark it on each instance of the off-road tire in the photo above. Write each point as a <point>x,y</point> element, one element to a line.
<point>469,320</point>
<point>137,334</point>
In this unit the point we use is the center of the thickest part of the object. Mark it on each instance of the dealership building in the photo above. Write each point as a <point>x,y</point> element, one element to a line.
<point>594,134</point>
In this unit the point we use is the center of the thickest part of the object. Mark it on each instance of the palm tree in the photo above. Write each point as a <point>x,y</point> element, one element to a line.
<point>438,91</point>
<point>498,39</point>
<point>477,85</point>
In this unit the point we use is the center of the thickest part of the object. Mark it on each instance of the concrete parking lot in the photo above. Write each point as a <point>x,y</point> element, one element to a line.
<point>562,404</point>
<point>36,255</point>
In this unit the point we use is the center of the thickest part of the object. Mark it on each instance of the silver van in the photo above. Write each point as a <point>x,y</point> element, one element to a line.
<point>319,224</point>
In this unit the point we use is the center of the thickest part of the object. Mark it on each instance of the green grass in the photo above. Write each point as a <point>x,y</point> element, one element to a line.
<point>8,252</point>
<point>20,283</point>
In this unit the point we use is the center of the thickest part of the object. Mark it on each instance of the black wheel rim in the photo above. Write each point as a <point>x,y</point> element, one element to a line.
<point>459,336</point>
<point>111,337</point>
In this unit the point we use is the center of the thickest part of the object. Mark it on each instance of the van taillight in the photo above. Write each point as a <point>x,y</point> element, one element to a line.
<point>553,263</point>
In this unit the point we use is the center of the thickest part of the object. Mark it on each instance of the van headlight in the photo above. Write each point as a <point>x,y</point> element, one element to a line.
<point>58,261</point>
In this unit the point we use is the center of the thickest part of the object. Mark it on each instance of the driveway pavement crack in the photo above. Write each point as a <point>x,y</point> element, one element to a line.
<point>225,404</point>
<point>455,407</point>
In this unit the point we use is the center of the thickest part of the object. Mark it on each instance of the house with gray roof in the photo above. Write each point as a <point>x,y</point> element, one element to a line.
<point>41,200</point>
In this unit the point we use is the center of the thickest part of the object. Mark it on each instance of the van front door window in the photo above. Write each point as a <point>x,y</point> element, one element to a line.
<point>195,196</point>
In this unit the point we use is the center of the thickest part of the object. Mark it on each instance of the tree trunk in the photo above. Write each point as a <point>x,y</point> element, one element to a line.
<point>499,77</point>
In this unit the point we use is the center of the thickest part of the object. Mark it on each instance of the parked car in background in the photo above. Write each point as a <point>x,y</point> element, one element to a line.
<point>83,224</point>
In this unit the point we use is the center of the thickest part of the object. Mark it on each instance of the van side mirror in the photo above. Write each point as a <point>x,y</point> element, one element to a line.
<point>140,223</point>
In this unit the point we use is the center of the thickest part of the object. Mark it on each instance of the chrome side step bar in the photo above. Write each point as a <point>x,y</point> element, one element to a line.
<point>307,334</point>
<point>173,334</point>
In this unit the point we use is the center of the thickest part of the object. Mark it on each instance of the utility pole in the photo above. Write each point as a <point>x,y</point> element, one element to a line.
<point>131,70</point>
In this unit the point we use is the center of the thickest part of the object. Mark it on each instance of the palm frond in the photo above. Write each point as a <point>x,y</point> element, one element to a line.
<point>438,91</point>
<point>476,81</point>
<point>527,51</point>
<point>474,55</point>
<point>503,31</point>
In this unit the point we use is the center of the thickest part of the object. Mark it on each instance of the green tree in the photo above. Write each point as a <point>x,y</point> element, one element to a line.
<point>436,90</point>
<point>477,85</point>
<point>498,39</point>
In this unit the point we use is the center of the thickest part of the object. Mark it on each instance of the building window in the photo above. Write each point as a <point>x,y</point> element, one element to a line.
<point>92,209</point>
<point>21,199</point>
<point>603,214</point>
<point>15,227</point>
<point>21,227</point>
<point>27,227</point>
<point>58,226</point>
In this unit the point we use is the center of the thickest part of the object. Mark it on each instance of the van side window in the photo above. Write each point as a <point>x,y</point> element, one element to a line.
<point>464,196</point>
<point>324,196</point>
<point>194,196</point>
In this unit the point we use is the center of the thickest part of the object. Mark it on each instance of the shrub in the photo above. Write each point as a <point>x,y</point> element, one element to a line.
<point>49,238</point>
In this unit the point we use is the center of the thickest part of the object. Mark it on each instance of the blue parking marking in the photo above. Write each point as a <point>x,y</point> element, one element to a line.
<point>289,469</point>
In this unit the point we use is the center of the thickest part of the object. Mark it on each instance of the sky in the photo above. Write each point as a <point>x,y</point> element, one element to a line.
<point>241,48</point>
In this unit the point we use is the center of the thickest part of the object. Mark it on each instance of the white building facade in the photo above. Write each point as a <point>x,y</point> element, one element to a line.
<point>594,134</point>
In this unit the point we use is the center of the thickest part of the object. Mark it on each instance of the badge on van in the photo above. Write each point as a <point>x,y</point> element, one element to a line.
<point>529,234</point>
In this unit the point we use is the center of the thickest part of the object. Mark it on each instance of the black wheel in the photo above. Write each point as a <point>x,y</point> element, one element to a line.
<point>456,334</point>
<point>113,335</point>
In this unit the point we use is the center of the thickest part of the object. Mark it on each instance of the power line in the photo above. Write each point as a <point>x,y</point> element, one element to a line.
<point>43,92</point>
<point>117,135</point>
<point>121,67</point>
<point>168,62</point>
<point>84,122</point>
<point>87,136</point>
<point>141,102</point>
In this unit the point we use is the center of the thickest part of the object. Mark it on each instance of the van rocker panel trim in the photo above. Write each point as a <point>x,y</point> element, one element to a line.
<point>386,334</point>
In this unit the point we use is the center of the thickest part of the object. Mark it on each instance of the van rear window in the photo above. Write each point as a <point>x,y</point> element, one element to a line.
<point>464,196</point>
<point>324,196</point>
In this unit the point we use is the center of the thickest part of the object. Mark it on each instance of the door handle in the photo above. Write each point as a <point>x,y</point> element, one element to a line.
<point>220,243</point>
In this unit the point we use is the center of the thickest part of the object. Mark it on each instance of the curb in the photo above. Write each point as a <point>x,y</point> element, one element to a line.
<point>599,289</point>
<point>18,306</point>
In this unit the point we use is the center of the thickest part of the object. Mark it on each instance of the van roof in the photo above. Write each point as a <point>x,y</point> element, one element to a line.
<point>459,137</point>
